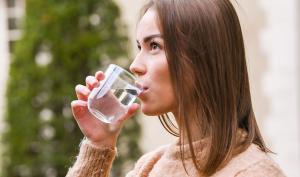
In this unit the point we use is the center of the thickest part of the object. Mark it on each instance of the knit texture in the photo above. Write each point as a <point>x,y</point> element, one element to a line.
<point>92,161</point>
<point>166,161</point>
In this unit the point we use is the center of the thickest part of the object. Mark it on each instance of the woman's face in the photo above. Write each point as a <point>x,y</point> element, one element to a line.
<point>151,67</point>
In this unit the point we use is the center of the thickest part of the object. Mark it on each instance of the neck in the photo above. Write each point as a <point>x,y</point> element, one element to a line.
<point>194,129</point>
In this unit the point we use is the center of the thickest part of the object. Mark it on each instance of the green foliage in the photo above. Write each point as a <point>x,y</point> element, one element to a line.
<point>63,42</point>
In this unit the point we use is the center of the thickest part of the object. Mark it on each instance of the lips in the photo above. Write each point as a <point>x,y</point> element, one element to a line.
<point>142,87</point>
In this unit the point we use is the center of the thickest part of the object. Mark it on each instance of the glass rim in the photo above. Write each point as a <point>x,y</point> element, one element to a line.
<point>123,70</point>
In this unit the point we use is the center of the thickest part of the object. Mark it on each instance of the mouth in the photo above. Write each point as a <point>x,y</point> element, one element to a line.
<point>142,87</point>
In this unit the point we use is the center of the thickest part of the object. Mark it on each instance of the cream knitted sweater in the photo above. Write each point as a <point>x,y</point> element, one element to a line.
<point>166,162</point>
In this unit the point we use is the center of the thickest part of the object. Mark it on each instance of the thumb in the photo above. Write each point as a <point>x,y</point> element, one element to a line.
<point>131,111</point>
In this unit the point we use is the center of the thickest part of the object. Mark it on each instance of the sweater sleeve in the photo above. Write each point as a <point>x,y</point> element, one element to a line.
<point>261,169</point>
<point>92,161</point>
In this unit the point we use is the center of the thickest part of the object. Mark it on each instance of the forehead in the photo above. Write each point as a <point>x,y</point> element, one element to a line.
<point>147,25</point>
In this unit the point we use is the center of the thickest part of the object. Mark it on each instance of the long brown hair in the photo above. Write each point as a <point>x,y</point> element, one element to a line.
<point>206,57</point>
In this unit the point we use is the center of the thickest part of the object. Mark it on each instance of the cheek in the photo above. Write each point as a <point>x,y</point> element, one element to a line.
<point>168,99</point>
<point>161,101</point>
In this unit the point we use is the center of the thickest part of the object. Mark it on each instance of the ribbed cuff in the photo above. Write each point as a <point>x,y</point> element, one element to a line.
<point>93,161</point>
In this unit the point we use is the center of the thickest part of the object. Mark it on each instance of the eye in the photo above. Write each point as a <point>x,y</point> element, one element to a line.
<point>154,46</point>
<point>139,46</point>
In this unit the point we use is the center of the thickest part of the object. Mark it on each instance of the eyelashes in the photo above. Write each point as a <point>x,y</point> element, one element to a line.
<point>139,47</point>
<point>152,46</point>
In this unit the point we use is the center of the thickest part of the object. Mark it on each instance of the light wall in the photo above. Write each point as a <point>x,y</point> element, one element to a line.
<point>280,42</point>
<point>271,37</point>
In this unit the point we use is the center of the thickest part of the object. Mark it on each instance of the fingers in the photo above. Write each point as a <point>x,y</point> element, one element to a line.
<point>82,92</point>
<point>131,111</point>
<point>133,108</point>
<point>99,75</point>
<point>91,82</point>
<point>79,108</point>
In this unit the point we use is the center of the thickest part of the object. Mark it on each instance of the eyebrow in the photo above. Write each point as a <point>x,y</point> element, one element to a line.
<point>148,38</point>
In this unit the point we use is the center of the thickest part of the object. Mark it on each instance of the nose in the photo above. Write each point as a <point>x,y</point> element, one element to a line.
<point>137,67</point>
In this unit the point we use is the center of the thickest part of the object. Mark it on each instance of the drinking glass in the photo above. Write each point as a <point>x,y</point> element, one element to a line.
<point>116,93</point>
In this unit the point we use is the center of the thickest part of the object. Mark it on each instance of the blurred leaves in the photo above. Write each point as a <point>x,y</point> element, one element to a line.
<point>63,41</point>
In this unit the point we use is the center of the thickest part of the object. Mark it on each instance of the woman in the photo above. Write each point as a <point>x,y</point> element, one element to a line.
<point>192,63</point>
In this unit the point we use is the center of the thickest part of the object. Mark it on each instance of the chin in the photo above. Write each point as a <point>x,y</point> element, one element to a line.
<point>151,111</point>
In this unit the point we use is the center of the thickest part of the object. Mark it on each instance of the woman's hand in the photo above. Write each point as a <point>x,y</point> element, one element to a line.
<point>97,132</point>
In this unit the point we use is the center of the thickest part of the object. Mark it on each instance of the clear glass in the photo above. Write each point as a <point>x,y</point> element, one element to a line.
<point>114,96</point>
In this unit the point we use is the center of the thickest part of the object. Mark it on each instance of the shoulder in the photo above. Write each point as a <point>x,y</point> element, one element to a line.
<point>253,162</point>
<point>152,155</point>
<point>147,160</point>
<point>263,168</point>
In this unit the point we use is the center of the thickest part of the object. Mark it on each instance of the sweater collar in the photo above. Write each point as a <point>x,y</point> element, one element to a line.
<point>173,152</point>
<point>200,147</point>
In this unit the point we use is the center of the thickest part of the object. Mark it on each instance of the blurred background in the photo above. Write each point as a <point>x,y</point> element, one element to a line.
<point>47,47</point>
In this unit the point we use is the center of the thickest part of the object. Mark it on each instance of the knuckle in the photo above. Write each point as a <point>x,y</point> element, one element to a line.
<point>89,78</point>
<point>78,87</point>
